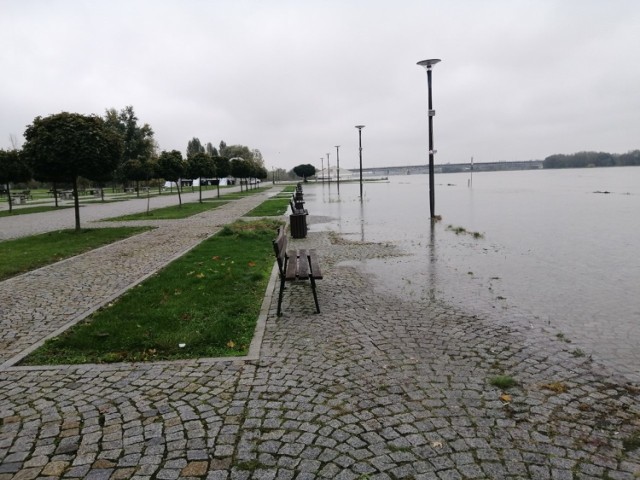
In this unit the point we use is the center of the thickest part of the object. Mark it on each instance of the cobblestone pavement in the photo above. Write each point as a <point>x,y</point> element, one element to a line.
<point>377,386</point>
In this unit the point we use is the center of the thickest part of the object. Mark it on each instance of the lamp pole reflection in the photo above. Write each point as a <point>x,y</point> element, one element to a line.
<point>322,168</point>
<point>427,64</point>
<point>360,127</point>
<point>328,169</point>
<point>338,168</point>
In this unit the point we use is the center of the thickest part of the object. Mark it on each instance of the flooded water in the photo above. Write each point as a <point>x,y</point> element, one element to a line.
<point>557,249</point>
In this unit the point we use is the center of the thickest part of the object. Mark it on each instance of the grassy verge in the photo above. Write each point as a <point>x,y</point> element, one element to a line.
<point>172,212</point>
<point>204,304</point>
<point>27,210</point>
<point>270,208</point>
<point>24,254</point>
<point>244,193</point>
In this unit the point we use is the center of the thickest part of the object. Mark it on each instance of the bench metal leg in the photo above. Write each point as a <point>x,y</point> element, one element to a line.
<point>315,295</point>
<point>280,295</point>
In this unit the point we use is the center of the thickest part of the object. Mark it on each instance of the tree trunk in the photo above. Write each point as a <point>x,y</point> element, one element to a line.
<point>76,203</point>
<point>200,187</point>
<point>9,198</point>
<point>178,188</point>
<point>55,193</point>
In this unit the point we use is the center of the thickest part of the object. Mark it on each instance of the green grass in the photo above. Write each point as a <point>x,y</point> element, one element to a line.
<point>28,210</point>
<point>172,212</point>
<point>270,208</point>
<point>244,193</point>
<point>461,230</point>
<point>632,442</point>
<point>503,381</point>
<point>28,253</point>
<point>208,301</point>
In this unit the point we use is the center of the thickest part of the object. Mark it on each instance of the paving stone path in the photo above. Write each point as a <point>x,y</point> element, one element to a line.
<point>377,386</point>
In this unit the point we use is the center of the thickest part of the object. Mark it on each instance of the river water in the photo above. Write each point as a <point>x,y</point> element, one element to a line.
<point>558,249</point>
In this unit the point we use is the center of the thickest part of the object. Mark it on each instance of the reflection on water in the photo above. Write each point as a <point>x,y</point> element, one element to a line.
<point>554,251</point>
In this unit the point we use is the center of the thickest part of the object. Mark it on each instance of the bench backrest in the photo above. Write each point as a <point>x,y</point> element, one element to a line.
<point>280,250</point>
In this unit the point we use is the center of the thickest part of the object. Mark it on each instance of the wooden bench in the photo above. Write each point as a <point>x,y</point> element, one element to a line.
<point>294,265</point>
<point>297,209</point>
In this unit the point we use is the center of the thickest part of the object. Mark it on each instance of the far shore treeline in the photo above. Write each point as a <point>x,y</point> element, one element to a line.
<point>592,159</point>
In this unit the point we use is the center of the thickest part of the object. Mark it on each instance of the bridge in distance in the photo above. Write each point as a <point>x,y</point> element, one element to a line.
<point>450,168</point>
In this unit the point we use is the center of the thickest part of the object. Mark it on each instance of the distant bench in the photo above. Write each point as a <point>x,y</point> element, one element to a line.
<point>297,208</point>
<point>295,265</point>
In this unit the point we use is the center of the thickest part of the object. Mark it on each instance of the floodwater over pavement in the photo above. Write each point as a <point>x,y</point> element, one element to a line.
<point>558,248</point>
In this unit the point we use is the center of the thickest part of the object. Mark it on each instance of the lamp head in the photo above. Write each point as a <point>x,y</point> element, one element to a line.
<point>359,127</point>
<point>428,63</point>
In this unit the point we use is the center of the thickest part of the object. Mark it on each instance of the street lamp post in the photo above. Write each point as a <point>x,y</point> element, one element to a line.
<point>338,161</point>
<point>427,64</point>
<point>360,127</point>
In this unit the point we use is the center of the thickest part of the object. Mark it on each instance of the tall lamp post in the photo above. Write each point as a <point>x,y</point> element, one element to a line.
<point>360,127</point>
<point>338,171</point>
<point>427,64</point>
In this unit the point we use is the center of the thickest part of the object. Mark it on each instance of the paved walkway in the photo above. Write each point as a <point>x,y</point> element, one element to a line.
<point>377,386</point>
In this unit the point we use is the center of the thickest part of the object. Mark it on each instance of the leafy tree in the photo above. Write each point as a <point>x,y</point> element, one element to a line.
<point>65,146</point>
<point>136,170</point>
<point>580,160</point>
<point>171,167</point>
<point>629,158</point>
<point>223,149</point>
<point>238,151</point>
<point>194,146</point>
<point>138,141</point>
<point>200,165</point>
<point>12,169</point>
<point>262,173</point>
<point>305,170</point>
<point>211,150</point>
<point>223,169</point>
<point>241,169</point>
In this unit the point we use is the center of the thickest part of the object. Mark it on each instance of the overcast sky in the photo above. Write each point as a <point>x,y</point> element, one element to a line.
<point>518,80</point>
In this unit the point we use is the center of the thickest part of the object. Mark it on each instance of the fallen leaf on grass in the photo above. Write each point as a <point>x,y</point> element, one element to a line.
<point>231,344</point>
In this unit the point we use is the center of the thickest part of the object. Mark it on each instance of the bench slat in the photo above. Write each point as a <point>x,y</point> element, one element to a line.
<point>303,265</point>
<point>292,266</point>
<point>315,266</point>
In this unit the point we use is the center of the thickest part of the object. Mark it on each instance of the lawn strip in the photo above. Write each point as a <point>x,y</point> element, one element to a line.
<point>28,210</point>
<point>172,212</point>
<point>270,208</point>
<point>204,304</point>
<point>21,255</point>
